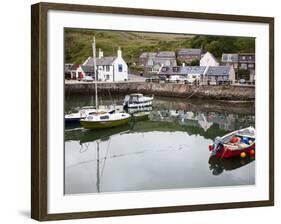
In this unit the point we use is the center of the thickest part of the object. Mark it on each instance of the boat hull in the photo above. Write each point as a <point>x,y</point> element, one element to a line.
<point>103,124</point>
<point>226,153</point>
<point>138,105</point>
<point>75,120</point>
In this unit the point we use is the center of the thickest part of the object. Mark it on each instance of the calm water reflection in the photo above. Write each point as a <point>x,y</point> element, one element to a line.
<point>167,151</point>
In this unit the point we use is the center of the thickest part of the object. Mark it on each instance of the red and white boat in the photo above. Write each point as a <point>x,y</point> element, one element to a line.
<point>237,143</point>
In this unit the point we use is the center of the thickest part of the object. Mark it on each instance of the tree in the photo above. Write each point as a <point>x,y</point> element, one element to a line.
<point>215,48</point>
<point>195,62</point>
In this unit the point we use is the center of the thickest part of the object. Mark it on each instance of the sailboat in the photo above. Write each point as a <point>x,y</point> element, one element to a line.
<point>100,119</point>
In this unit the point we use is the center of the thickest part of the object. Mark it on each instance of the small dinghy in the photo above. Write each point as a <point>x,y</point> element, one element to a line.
<point>237,143</point>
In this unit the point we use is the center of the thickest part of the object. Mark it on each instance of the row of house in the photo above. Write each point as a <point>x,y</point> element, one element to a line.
<point>239,61</point>
<point>204,74</point>
<point>154,61</point>
<point>111,69</point>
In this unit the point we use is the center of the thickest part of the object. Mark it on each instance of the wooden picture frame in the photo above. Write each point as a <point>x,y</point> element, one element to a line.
<point>39,108</point>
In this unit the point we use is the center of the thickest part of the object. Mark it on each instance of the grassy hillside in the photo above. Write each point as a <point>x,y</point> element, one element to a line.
<point>78,44</point>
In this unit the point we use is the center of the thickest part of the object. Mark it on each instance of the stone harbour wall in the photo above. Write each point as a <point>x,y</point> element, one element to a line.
<point>222,92</point>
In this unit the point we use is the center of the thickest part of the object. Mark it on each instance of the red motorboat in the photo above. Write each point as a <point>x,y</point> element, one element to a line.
<point>237,143</point>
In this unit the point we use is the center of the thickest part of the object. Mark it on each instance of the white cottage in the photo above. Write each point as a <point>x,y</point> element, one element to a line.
<point>208,60</point>
<point>110,69</point>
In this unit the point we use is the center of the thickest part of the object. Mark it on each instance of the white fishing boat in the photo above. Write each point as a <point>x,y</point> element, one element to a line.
<point>103,119</point>
<point>77,116</point>
<point>137,100</point>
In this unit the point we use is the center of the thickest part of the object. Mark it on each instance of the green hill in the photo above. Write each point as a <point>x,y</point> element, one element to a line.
<point>78,44</point>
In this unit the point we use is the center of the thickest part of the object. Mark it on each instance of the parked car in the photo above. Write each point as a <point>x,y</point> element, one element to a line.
<point>153,79</point>
<point>224,82</point>
<point>179,79</point>
<point>88,79</point>
<point>242,81</point>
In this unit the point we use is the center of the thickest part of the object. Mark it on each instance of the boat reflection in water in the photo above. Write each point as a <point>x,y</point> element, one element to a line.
<point>161,151</point>
<point>218,165</point>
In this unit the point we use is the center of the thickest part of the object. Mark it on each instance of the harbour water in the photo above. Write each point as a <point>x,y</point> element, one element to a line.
<point>169,150</point>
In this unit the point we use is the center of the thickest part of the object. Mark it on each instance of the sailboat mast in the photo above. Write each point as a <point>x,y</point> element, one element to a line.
<point>95,71</point>
<point>98,166</point>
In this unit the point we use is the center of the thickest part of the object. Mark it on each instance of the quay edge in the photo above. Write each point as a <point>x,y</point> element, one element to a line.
<point>223,92</point>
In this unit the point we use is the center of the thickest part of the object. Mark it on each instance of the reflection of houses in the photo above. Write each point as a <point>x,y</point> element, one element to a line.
<point>186,118</point>
<point>225,121</point>
<point>204,123</point>
<point>111,69</point>
<point>244,61</point>
<point>208,60</point>
<point>153,61</point>
<point>204,120</point>
<point>187,55</point>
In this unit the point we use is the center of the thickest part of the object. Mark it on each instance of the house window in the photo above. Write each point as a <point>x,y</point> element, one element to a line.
<point>107,68</point>
<point>175,69</point>
<point>243,66</point>
<point>120,68</point>
<point>107,77</point>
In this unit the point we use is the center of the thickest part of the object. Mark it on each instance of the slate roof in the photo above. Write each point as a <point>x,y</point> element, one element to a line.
<point>180,70</point>
<point>189,51</point>
<point>101,61</point>
<point>233,58</point>
<point>74,67</point>
<point>247,57</point>
<point>160,61</point>
<point>166,54</point>
<point>87,69</point>
<point>148,54</point>
<point>218,71</point>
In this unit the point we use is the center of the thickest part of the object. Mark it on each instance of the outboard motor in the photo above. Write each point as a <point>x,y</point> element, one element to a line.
<point>218,145</point>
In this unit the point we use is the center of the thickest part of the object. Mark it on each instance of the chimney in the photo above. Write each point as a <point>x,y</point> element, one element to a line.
<point>100,53</point>
<point>119,52</point>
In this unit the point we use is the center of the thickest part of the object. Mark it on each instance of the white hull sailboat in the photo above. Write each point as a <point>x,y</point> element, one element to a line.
<point>103,119</point>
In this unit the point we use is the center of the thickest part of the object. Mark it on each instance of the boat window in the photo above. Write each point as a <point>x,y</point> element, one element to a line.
<point>104,117</point>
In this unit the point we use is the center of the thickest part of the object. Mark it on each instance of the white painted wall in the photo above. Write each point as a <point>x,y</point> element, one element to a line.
<point>105,75</point>
<point>231,73</point>
<point>120,76</point>
<point>15,163</point>
<point>208,60</point>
